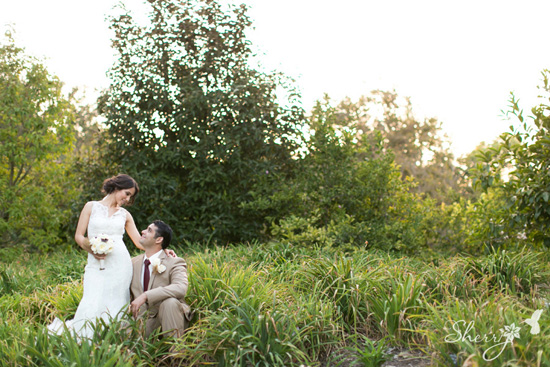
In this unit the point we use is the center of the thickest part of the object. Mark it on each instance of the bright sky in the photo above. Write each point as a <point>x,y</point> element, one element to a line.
<point>458,61</point>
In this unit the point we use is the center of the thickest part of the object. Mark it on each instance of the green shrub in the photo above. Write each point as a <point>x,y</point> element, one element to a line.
<point>345,190</point>
<point>37,134</point>
<point>13,337</point>
<point>371,353</point>
<point>58,351</point>
<point>315,300</point>
<point>30,272</point>
<point>277,334</point>
<point>302,231</point>
<point>31,308</point>
<point>318,322</point>
<point>452,278</point>
<point>523,155</point>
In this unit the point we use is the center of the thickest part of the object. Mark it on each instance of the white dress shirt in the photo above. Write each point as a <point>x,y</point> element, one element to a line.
<point>153,257</point>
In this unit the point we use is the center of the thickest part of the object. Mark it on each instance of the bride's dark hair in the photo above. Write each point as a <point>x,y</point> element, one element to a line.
<point>120,182</point>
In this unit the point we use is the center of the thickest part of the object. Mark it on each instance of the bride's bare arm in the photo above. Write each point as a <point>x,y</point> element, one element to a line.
<point>134,235</point>
<point>82,226</point>
<point>132,231</point>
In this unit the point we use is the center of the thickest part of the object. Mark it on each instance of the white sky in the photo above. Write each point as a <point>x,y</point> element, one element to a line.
<point>457,60</point>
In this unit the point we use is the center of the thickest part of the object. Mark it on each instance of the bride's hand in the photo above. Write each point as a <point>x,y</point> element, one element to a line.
<point>99,257</point>
<point>170,253</point>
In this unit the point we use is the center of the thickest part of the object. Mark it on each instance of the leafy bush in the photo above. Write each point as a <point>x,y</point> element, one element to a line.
<point>487,226</point>
<point>341,193</point>
<point>64,299</point>
<point>57,351</point>
<point>445,226</point>
<point>453,279</point>
<point>318,323</point>
<point>37,133</point>
<point>523,155</point>
<point>243,334</point>
<point>47,270</point>
<point>302,231</point>
<point>371,353</point>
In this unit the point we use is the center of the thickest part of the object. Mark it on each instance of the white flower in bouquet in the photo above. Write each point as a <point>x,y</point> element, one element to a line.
<point>102,245</point>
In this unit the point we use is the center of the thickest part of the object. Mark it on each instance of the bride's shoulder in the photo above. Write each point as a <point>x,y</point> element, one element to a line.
<point>89,205</point>
<point>126,213</point>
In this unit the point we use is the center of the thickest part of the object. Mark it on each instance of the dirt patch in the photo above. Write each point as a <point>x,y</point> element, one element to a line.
<point>399,357</point>
<point>407,358</point>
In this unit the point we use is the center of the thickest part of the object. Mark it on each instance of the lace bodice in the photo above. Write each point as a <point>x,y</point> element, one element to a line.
<point>101,223</point>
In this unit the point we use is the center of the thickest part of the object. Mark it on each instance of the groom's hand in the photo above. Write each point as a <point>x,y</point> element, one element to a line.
<point>137,303</point>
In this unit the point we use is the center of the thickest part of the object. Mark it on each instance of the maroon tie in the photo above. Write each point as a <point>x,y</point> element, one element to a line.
<point>146,275</point>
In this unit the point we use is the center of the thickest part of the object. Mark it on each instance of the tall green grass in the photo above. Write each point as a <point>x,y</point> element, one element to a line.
<point>282,305</point>
<point>514,272</point>
<point>472,331</point>
<point>398,305</point>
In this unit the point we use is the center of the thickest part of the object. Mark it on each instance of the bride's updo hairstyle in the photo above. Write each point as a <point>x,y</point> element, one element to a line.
<point>120,182</point>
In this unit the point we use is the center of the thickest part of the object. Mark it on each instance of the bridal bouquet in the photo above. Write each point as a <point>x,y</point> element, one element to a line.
<point>102,245</point>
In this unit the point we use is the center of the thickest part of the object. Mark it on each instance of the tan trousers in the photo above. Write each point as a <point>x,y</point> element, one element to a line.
<point>170,317</point>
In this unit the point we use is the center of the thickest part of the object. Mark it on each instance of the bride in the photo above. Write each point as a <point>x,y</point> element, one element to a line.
<point>106,290</point>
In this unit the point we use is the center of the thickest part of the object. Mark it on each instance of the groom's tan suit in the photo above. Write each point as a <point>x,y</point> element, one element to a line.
<point>165,295</point>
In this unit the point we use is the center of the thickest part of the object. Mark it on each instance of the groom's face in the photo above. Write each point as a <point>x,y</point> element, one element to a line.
<point>148,236</point>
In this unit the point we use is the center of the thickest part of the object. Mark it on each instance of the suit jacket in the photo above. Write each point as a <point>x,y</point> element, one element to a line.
<point>171,283</point>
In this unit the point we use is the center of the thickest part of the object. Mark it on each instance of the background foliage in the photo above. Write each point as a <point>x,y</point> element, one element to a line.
<point>312,238</point>
<point>345,191</point>
<point>224,158</point>
<point>192,121</point>
<point>36,135</point>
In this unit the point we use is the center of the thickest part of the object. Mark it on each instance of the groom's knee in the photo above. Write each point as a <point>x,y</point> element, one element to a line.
<point>170,313</point>
<point>170,305</point>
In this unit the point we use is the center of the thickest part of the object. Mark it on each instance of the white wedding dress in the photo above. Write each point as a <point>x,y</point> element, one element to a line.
<point>106,292</point>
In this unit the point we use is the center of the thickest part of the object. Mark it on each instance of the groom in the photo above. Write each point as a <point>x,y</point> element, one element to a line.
<point>159,283</point>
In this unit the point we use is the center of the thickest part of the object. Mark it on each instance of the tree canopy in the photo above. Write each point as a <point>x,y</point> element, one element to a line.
<point>192,120</point>
<point>36,131</point>
<point>419,147</point>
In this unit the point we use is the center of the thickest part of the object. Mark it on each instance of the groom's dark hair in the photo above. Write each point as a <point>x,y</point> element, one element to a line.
<point>164,231</point>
